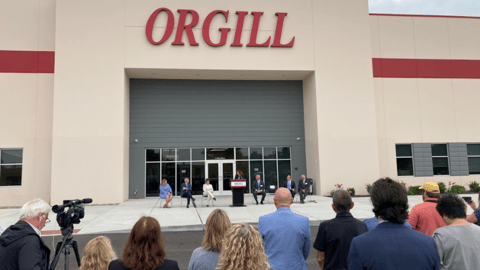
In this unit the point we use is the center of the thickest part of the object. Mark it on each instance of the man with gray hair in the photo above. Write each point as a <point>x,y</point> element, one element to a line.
<point>335,236</point>
<point>21,247</point>
<point>303,188</point>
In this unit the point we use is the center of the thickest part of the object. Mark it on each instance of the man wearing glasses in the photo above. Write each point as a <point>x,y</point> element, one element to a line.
<point>20,244</point>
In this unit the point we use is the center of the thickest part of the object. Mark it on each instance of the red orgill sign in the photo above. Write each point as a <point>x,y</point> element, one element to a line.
<point>206,26</point>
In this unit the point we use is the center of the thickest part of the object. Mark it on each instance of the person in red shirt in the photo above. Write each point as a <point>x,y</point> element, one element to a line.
<point>424,217</point>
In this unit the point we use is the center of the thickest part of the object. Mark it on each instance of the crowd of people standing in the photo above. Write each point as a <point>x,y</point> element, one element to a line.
<point>436,234</point>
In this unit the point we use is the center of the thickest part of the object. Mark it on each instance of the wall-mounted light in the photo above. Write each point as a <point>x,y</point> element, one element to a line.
<point>298,138</point>
<point>136,140</point>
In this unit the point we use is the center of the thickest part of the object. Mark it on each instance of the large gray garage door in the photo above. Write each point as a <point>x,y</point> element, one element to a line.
<point>178,127</point>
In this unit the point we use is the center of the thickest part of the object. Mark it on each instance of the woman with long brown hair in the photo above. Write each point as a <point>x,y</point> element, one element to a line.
<point>144,249</point>
<point>243,248</point>
<point>206,256</point>
<point>98,254</point>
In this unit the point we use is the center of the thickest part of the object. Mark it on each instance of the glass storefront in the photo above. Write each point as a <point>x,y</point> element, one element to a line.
<point>219,165</point>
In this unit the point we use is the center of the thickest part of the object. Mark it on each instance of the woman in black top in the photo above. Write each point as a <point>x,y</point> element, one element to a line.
<point>144,249</point>
<point>239,175</point>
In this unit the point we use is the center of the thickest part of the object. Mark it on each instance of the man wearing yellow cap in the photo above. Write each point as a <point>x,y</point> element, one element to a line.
<point>424,217</point>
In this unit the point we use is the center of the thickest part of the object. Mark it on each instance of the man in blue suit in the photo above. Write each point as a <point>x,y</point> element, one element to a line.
<point>286,234</point>
<point>187,192</point>
<point>392,245</point>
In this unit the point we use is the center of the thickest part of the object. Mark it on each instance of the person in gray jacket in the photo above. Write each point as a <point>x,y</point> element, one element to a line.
<point>21,247</point>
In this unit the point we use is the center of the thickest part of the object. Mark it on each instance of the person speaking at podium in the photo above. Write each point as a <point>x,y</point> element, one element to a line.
<point>239,175</point>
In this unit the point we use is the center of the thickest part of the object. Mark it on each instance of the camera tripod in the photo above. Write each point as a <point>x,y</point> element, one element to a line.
<point>66,243</point>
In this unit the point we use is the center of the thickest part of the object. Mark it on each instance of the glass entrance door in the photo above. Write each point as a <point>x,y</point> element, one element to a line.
<point>220,173</point>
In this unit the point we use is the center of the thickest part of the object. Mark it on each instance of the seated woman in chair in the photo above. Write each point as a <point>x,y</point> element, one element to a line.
<point>208,191</point>
<point>166,193</point>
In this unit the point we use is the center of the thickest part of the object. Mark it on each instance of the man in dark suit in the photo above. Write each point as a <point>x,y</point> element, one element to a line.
<point>187,192</point>
<point>290,185</point>
<point>258,188</point>
<point>303,188</point>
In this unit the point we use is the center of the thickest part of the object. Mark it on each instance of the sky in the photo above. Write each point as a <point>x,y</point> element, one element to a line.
<point>426,7</point>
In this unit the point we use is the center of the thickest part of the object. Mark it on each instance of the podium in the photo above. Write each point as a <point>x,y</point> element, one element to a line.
<point>237,186</point>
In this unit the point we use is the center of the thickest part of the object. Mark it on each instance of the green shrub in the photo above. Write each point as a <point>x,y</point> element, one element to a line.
<point>474,186</point>
<point>332,193</point>
<point>414,190</point>
<point>351,191</point>
<point>442,187</point>
<point>457,189</point>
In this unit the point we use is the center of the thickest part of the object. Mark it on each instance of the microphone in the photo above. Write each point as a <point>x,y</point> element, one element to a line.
<point>86,200</point>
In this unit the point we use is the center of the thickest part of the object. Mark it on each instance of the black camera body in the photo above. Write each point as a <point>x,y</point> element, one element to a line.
<point>75,212</point>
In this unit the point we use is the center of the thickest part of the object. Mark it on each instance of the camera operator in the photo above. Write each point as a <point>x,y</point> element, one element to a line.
<point>20,245</point>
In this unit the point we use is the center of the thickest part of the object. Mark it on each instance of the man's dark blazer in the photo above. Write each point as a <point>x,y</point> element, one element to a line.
<point>21,248</point>
<point>305,186</point>
<point>262,186</point>
<point>285,184</point>
<point>189,188</point>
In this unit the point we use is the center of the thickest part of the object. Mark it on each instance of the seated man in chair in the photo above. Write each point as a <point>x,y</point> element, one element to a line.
<point>187,192</point>
<point>290,185</point>
<point>258,188</point>
<point>303,188</point>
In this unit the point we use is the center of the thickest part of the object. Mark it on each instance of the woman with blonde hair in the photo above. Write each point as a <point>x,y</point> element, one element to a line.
<point>206,256</point>
<point>243,248</point>
<point>144,249</point>
<point>165,193</point>
<point>98,254</point>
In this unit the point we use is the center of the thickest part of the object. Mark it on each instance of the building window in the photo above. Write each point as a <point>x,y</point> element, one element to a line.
<point>273,164</point>
<point>473,153</point>
<point>440,159</point>
<point>11,167</point>
<point>404,159</point>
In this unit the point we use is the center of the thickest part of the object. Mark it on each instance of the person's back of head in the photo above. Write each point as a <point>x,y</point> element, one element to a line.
<point>215,228</point>
<point>450,207</point>
<point>98,254</point>
<point>342,201</point>
<point>390,201</point>
<point>145,246</point>
<point>282,198</point>
<point>243,248</point>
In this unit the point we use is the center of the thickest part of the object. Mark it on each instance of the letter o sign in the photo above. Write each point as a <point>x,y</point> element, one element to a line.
<point>151,22</point>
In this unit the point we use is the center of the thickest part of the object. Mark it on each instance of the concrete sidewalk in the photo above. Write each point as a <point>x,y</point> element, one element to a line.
<point>121,218</point>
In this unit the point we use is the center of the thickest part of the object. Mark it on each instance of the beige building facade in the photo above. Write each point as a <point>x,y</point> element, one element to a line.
<point>372,84</point>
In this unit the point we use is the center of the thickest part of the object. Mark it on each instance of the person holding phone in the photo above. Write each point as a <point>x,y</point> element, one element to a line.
<point>475,216</point>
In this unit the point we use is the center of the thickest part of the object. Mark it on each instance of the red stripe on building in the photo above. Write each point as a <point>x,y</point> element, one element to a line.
<point>425,68</point>
<point>54,232</point>
<point>426,16</point>
<point>27,62</point>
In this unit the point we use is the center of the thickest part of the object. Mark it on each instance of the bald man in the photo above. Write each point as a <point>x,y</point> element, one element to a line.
<point>286,234</point>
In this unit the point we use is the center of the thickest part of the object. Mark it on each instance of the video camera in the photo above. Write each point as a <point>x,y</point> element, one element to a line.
<point>75,212</point>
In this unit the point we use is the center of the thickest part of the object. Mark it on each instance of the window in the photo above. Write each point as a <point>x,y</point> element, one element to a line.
<point>11,167</point>
<point>440,159</point>
<point>272,163</point>
<point>473,153</point>
<point>404,159</point>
